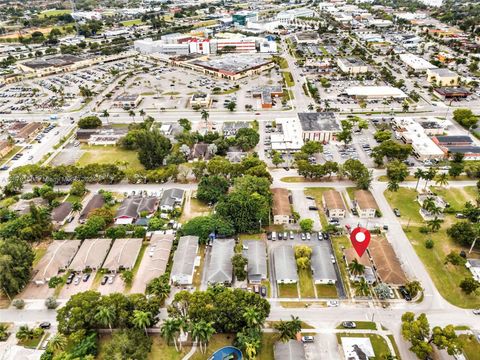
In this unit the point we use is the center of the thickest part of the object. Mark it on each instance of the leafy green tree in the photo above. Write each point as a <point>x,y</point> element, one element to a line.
<point>89,122</point>
<point>417,331</point>
<point>463,232</point>
<point>128,344</point>
<point>397,171</point>
<point>276,158</point>
<point>465,117</point>
<point>362,288</point>
<point>16,259</point>
<point>55,281</point>
<point>78,188</point>
<point>127,277</point>
<point>469,285</point>
<point>203,226</point>
<point>169,331</point>
<point>306,225</point>
<point>413,287</point>
<point>185,124</point>
<point>434,224</point>
<point>239,263</point>
<point>247,138</point>
<point>105,316</point>
<point>442,179</point>
<point>288,329</point>
<point>51,302</point>
<point>153,148</point>
<point>159,286</point>
<point>312,147</point>
<point>141,319</point>
<point>382,135</point>
<point>212,188</point>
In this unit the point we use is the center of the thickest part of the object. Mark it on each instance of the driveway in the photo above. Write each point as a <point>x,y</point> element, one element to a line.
<point>301,204</point>
<point>72,289</point>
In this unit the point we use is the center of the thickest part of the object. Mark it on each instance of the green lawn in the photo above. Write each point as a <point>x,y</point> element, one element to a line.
<point>287,76</point>
<point>218,341</point>
<point>109,155</point>
<point>282,63</point>
<point>339,242</point>
<point>456,197</point>
<point>395,347</point>
<point>362,325</point>
<point>54,12</point>
<point>326,291</point>
<point>31,343</point>
<point>266,350</point>
<point>8,155</point>
<point>351,192</point>
<point>306,283</point>
<point>379,345</point>
<point>287,290</point>
<point>137,265</point>
<point>132,22</point>
<point>39,252</point>
<point>405,200</point>
<point>470,346</point>
<point>446,277</point>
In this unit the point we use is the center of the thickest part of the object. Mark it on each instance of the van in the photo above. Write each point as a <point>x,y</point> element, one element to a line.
<point>274,236</point>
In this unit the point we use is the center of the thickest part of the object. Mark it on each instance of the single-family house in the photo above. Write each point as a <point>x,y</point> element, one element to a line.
<point>285,265</point>
<point>323,271</point>
<point>184,260</point>
<point>61,214</point>
<point>281,209</point>
<point>220,269</point>
<point>95,202</point>
<point>171,198</point>
<point>256,254</point>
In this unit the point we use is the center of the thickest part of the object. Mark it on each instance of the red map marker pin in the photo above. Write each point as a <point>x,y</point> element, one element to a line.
<point>360,238</point>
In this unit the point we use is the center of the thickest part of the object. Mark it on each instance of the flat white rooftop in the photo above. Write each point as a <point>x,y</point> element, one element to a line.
<point>375,91</point>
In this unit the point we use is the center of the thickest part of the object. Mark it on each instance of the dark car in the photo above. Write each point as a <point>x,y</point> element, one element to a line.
<point>45,325</point>
<point>396,212</point>
<point>104,280</point>
<point>406,295</point>
<point>263,291</point>
<point>313,208</point>
<point>70,279</point>
<point>86,277</point>
<point>349,325</point>
<point>269,236</point>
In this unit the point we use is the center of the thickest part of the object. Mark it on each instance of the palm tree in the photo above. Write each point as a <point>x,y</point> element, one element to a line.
<point>252,317</point>
<point>196,330</point>
<point>142,114</point>
<point>419,174</point>
<point>106,114</point>
<point>207,332</point>
<point>362,287</point>
<point>205,115</point>
<point>429,175</point>
<point>310,107</point>
<point>169,331</point>
<point>105,316</point>
<point>132,114</point>
<point>429,204</point>
<point>58,342</point>
<point>24,333</point>
<point>356,268</point>
<point>434,224</point>
<point>442,179</point>
<point>393,186</point>
<point>77,206</point>
<point>284,330</point>
<point>141,319</point>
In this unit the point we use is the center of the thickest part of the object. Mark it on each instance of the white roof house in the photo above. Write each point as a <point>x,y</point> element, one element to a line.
<point>184,260</point>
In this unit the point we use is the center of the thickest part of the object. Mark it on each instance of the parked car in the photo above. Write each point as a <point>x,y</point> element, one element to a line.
<point>110,279</point>
<point>263,291</point>
<point>406,295</point>
<point>285,236</point>
<point>476,312</point>
<point>460,216</point>
<point>303,236</point>
<point>308,236</point>
<point>86,277</point>
<point>396,212</point>
<point>333,221</point>
<point>332,303</point>
<point>292,236</point>
<point>314,208</point>
<point>310,198</point>
<point>320,236</point>
<point>45,325</point>
<point>104,280</point>
<point>76,281</point>
<point>70,279</point>
<point>269,236</point>
<point>308,339</point>
<point>349,325</point>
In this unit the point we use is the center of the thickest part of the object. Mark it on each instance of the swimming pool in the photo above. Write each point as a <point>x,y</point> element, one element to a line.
<point>227,353</point>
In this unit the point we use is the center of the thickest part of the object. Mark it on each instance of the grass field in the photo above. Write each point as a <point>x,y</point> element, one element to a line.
<point>54,12</point>
<point>132,22</point>
<point>326,291</point>
<point>446,277</point>
<point>137,265</point>
<point>470,346</point>
<point>287,290</point>
<point>109,155</point>
<point>287,76</point>
<point>379,345</point>
<point>306,283</point>
<point>362,325</point>
<point>456,197</point>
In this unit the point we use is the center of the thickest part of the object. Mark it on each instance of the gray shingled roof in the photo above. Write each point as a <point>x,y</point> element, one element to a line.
<point>58,256</point>
<point>322,266</point>
<point>184,257</point>
<point>170,196</point>
<point>220,268</point>
<point>257,260</point>
<point>95,202</point>
<point>91,254</point>
<point>123,254</point>
<point>291,350</point>
<point>284,262</point>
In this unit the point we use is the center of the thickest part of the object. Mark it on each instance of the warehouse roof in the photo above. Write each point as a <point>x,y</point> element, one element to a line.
<point>58,256</point>
<point>184,257</point>
<point>322,266</point>
<point>220,268</point>
<point>123,254</point>
<point>333,200</point>
<point>91,254</point>
<point>284,262</point>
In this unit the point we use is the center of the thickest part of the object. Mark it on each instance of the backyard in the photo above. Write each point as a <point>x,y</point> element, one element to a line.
<point>109,155</point>
<point>379,345</point>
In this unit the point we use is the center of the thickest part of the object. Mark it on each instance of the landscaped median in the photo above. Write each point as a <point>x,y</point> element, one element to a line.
<point>446,276</point>
<point>287,76</point>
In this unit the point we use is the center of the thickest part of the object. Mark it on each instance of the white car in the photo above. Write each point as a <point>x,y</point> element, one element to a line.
<point>332,303</point>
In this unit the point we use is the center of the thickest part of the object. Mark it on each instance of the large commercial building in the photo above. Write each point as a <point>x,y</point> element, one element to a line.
<point>288,16</point>
<point>416,63</point>
<point>319,126</point>
<point>352,66</point>
<point>442,77</point>
<point>289,139</point>
<point>375,92</point>
<point>242,17</point>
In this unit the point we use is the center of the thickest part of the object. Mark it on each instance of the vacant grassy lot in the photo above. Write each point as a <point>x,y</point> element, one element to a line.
<point>54,12</point>
<point>306,283</point>
<point>287,76</point>
<point>456,197</point>
<point>447,277</point>
<point>109,155</point>
<point>287,290</point>
<point>132,22</point>
<point>379,345</point>
<point>470,346</point>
